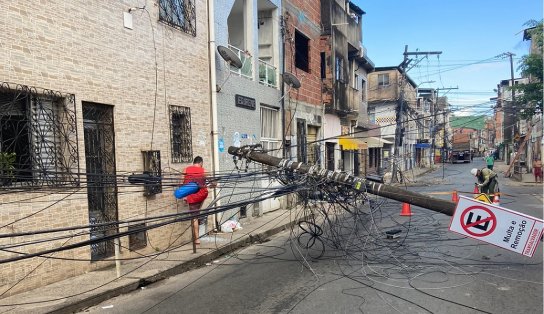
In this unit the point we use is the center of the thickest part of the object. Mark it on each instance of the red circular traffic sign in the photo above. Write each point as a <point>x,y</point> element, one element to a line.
<point>478,221</point>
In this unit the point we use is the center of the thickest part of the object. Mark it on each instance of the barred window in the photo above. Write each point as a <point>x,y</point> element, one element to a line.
<point>179,14</point>
<point>38,137</point>
<point>180,130</point>
<point>152,166</point>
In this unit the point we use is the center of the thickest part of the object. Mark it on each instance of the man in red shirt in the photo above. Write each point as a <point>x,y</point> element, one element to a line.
<point>196,173</point>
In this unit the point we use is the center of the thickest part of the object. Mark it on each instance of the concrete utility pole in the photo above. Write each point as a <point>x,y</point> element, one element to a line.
<point>399,134</point>
<point>514,107</point>
<point>510,113</point>
<point>438,205</point>
<point>446,109</point>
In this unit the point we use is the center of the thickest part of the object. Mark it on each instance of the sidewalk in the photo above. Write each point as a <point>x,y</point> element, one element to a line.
<point>80,292</point>
<point>527,179</point>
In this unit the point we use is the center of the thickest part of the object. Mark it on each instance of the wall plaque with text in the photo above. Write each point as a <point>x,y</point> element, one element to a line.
<point>244,102</point>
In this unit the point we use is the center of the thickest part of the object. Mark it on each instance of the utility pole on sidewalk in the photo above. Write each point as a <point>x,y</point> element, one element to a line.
<point>445,116</point>
<point>510,113</point>
<point>399,131</point>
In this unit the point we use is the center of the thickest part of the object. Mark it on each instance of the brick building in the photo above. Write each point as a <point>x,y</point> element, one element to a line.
<point>91,91</point>
<point>304,109</point>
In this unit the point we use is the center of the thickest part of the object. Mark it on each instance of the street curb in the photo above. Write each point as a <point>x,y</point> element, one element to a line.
<point>197,262</point>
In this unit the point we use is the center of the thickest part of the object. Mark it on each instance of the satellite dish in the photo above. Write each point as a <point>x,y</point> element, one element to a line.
<point>229,56</point>
<point>291,80</point>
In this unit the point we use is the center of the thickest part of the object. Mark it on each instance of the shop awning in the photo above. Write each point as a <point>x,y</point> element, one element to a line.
<point>374,142</point>
<point>350,143</point>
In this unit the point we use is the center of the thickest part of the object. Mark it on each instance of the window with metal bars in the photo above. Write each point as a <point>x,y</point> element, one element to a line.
<point>152,166</point>
<point>180,134</point>
<point>38,137</point>
<point>180,14</point>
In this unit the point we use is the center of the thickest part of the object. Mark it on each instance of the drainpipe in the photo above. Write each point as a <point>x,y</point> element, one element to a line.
<point>284,131</point>
<point>213,100</point>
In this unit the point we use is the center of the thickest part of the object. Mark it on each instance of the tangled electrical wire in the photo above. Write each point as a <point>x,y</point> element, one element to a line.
<point>336,223</point>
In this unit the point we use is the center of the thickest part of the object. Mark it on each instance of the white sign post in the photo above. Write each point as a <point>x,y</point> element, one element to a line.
<point>496,225</point>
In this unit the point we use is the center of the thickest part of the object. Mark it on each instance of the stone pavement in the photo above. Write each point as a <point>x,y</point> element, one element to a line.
<point>80,292</point>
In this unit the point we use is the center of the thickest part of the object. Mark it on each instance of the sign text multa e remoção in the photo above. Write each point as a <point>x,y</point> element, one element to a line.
<point>518,235</point>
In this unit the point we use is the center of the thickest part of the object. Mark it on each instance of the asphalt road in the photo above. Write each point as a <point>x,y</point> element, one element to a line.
<point>427,269</point>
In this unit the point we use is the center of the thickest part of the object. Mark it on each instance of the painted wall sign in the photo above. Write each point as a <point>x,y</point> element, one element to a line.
<point>221,145</point>
<point>497,225</point>
<point>236,139</point>
<point>244,102</point>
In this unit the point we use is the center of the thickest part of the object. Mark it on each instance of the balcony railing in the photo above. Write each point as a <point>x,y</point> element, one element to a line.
<point>267,74</point>
<point>247,63</point>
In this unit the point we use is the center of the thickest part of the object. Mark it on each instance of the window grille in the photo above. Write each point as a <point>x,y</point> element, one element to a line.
<point>152,166</point>
<point>38,130</point>
<point>180,14</point>
<point>180,130</point>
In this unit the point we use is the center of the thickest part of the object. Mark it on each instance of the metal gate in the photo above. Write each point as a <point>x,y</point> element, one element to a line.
<point>101,180</point>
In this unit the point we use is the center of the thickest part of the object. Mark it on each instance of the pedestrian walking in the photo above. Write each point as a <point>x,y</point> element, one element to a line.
<point>490,161</point>
<point>537,169</point>
<point>196,173</point>
<point>487,180</point>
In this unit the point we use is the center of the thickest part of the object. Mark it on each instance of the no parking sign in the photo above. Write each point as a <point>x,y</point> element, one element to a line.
<point>497,225</point>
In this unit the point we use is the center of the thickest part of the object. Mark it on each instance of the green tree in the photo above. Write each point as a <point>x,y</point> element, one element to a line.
<point>529,95</point>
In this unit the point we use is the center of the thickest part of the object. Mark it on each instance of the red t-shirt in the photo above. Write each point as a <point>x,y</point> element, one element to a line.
<point>196,174</point>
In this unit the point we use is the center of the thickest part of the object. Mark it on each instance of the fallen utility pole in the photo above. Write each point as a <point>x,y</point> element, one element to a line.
<point>438,205</point>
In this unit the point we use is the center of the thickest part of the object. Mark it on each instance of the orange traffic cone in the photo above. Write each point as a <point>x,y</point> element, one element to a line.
<point>455,197</point>
<point>476,190</point>
<point>406,210</point>
<point>496,199</point>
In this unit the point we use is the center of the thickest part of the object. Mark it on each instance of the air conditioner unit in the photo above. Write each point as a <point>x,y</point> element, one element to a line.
<point>362,50</point>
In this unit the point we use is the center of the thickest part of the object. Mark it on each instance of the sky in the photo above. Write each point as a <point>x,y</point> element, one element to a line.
<point>470,34</point>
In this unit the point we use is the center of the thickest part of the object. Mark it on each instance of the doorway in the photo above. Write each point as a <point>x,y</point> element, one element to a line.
<point>101,179</point>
